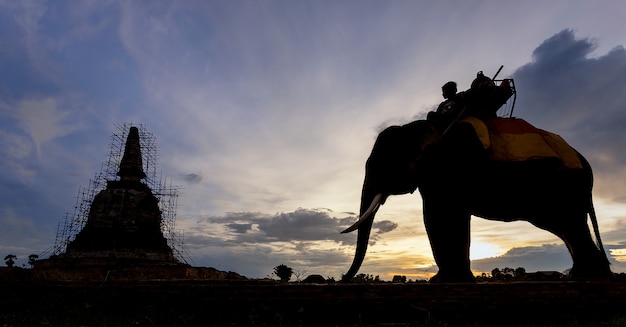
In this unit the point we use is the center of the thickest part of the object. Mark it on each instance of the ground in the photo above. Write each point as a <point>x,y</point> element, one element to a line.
<point>269,303</point>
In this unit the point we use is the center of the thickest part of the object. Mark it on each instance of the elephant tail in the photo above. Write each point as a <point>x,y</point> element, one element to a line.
<point>594,223</point>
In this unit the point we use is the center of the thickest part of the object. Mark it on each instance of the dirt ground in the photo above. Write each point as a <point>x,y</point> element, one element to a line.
<point>267,303</point>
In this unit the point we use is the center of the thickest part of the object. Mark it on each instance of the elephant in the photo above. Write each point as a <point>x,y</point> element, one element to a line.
<point>457,179</point>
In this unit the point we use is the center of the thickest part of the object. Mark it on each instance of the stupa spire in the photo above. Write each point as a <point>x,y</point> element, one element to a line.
<point>131,167</point>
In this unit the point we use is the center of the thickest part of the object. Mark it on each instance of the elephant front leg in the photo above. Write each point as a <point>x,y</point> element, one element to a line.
<point>448,230</point>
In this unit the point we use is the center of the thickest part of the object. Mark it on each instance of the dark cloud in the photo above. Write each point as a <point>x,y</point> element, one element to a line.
<point>258,260</point>
<point>533,258</point>
<point>302,239</point>
<point>193,178</point>
<point>240,228</point>
<point>562,50</point>
<point>299,225</point>
<point>385,226</point>
<point>614,234</point>
<point>554,257</point>
<point>582,98</point>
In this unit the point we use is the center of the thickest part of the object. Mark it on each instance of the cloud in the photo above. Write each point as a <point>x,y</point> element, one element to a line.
<point>307,239</point>
<point>17,154</point>
<point>192,178</point>
<point>582,99</point>
<point>553,257</point>
<point>240,228</point>
<point>258,260</point>
<point>297,226</point>
<point>26,18</point>
<point>20,236</point>
<point>532,258</point>
<point>562,50</point>
<point>385,226</point>
<point>43,119</point>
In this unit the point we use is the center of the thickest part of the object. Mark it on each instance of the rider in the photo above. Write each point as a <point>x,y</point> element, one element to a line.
<point>449,109</point>
<point>485,97</point>
<point>448,91</point>
<point>482,101</point>
<point>482,94</point>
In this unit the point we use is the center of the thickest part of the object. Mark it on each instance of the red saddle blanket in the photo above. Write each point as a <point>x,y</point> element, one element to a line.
<point>513,139</point>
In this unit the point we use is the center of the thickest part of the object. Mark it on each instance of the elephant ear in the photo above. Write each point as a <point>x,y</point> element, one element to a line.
<point>396,157</point>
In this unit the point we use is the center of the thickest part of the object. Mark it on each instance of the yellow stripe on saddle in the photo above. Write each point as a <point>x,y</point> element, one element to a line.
<point>481,130</point>
<point>512,139</point>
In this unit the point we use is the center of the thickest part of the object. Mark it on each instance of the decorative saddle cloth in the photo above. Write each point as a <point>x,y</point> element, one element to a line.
<point>513,139</point>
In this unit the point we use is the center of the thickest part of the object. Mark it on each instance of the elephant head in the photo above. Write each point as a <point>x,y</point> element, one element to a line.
<point>391,169</point>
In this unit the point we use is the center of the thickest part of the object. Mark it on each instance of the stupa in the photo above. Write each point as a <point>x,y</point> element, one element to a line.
<point>124,220</point>
<point>117,231</point>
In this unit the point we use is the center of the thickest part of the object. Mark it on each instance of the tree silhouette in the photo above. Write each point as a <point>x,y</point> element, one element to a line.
<point>283,272</point>
<point>10,260</point>
<point>506,274</point>
<point>299,274</point>
<point>365,278</point>
<point>31,259</point>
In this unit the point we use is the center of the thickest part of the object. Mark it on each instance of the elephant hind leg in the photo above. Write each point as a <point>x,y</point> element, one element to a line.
<point>589,262</point>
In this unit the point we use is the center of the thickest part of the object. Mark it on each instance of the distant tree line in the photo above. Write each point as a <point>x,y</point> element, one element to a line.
<point>284,273</point>
<point>505,274</point>
<point>10,259</point>
<point>365,278</point>
<point>500,275</point>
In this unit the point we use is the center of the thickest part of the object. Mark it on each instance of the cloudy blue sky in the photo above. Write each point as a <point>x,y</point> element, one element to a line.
<point>265,112</point>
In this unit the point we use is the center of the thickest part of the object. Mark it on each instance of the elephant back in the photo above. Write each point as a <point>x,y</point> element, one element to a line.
<point>513,139</point>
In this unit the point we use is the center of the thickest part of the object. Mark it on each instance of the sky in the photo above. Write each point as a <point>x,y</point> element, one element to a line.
<point>265,112</point>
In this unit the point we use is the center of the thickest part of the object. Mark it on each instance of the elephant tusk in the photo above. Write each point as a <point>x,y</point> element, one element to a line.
<point>376,202</point>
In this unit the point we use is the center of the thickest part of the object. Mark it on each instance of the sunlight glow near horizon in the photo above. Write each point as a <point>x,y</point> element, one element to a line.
<point>482,250</point>
<point>618,254</point>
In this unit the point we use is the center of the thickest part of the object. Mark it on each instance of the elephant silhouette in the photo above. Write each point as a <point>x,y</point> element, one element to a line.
<point>457,178</point>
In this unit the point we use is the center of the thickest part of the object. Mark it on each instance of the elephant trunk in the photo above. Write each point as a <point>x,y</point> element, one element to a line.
<point>369,206</point>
